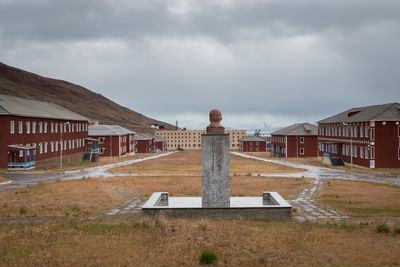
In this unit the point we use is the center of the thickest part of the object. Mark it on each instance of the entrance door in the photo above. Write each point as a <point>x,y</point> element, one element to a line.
<point>12,156</point>
<point>339,151</point>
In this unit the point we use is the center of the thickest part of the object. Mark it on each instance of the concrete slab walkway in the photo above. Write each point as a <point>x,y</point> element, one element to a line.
<point>306,208</point>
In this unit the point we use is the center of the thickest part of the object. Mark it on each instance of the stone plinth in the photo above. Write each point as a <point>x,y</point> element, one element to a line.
<point>215,170</point>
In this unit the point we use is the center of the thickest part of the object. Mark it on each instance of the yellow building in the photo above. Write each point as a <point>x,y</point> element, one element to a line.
<point>191,139</point>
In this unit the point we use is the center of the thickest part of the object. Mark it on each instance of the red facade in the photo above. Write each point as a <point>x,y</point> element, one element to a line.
<point>253,146</point>
<point>375,144</point>
<point>145,146</point>
<point>294,146</point>
<point>43,133</point>
<point>161,145</point>
<point>115,146</point>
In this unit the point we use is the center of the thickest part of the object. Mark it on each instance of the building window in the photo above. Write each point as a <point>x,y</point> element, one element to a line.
<point>302,151</point>
<point>301,140</point>
<point>361,152</point>
<point>52,146</point>
<point>101,150</point>
<point>69,144</point>
<point>12,127</point>
<point>65,144</point>
<point>361,131</point>
<point>40,127</point>
<point>52,127</point>
<point>34,127</point>
<point>56,128</point>
<point>40,148</point>
<point>56,146</point>
<point>366,131</point>
<point>45,127</point>
<point>355,131</point>
<point>20,127</point>
<point>21,153</point>
<point>45,147</point>
<point>28,127</point>
<point>398,130</point>
<point>399,154</point>
<point>355,151</point>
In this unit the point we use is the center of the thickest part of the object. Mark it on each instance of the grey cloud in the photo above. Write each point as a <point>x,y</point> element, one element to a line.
<point>300,59</point>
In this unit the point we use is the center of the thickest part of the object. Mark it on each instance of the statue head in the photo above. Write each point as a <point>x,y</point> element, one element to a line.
<point>215,118</point>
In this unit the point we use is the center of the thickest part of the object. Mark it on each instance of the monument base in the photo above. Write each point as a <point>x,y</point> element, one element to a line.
<point>271,206</point>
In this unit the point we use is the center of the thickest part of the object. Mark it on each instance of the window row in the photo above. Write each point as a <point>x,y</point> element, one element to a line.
<point>44,127</point>
<point>345,131</point>
<point>278,139</point>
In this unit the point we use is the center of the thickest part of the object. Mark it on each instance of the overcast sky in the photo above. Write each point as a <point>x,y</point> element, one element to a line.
<point>262,63</point>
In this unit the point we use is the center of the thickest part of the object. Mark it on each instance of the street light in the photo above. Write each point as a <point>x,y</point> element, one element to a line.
<point>351,146</point>
<point>61,141</point>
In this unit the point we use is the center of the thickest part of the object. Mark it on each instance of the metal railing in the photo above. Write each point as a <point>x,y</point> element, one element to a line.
<point>21,166</point>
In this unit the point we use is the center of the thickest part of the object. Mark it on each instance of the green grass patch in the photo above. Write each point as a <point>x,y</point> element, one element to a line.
<point>207,256</point>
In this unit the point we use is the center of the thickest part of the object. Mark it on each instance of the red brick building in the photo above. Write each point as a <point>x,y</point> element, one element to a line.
<point>39,133</point>
<point>144,143</point>
<point>252,144</point>
<point>114,140</point>
<point>297,140</point>
<point>366,136</point>
<point>161,143</point>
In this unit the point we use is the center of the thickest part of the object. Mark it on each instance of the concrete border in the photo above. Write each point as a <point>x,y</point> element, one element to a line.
<point>241,207</point>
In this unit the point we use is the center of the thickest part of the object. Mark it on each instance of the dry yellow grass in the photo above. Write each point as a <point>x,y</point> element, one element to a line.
<point>361,199</point>
<point>178,242</point>
<point>190,162</point>
<point>70,198</point>
<point>93,196</point>
<point>240,185</point>
<point>2,179</point>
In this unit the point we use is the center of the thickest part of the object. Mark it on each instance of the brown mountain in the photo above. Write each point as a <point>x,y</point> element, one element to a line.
<point>25,84</point>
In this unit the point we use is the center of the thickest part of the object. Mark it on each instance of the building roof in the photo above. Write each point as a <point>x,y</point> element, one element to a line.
<point>108,130</point>
<point>298,129</point>
<point>12,105</point>
<point>159,139</point>
<point>252,138</point>
<point>141,136</point>
<point>385,112</point>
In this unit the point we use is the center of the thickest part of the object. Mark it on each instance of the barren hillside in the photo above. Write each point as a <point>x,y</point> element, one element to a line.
<point>25,84</point>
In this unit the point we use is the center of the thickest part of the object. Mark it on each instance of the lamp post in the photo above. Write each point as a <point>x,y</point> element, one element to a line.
<point>61,142</point>
<point>351,146</point>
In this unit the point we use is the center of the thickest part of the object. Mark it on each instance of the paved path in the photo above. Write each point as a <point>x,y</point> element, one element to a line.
<point>20,180</point>
<point>307,208</point>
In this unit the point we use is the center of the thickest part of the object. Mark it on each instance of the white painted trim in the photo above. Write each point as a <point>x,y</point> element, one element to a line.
<point>286,152</point>
<point>9,182</point>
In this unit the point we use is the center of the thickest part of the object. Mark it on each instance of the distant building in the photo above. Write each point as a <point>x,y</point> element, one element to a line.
<point>191,139</point>
<point>33,133</point>
<point>144,143</point>
<point>161,143</point>
<point>252,144</point>
<point>113,140</point>
<point>297,140</point>
<point>366,136</point>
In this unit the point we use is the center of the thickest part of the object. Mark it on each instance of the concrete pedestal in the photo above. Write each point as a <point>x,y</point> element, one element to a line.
<point>215,171</point>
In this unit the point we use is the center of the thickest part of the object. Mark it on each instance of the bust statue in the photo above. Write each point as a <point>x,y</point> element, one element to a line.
<point>215,125</point>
